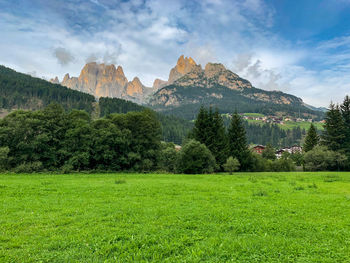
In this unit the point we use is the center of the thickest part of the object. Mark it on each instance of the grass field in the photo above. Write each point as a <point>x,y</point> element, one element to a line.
<point>248,217</point>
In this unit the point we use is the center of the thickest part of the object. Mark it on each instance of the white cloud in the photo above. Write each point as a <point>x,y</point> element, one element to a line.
<point>146,38</point>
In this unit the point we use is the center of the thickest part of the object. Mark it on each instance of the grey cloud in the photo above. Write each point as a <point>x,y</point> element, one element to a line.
<point>250,68</point>
<point>63,56</point>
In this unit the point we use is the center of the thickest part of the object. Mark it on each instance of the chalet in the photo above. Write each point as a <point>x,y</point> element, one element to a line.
<point>296,149</point>
<point>279,153</point>
<point>258,149</point>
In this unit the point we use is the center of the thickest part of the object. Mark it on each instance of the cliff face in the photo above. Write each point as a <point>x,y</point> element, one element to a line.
<point>103,80</point>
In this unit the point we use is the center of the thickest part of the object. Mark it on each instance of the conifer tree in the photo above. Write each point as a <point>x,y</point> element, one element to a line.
<point>200,129</point>
<point>237,142</point>
<point>345,111</point>
<point>209,129</point>
<point>334,133</point>
<point>311,139</point>
<point>219,139</point>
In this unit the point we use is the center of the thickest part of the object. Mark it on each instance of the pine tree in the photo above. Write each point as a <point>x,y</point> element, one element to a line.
<point>209,129</point>
<point>345,111</point>
<point>200,129</point>
<point>311,139</point>
<point>334,132</point>
<point>237,142</point>
<point>219,140</point>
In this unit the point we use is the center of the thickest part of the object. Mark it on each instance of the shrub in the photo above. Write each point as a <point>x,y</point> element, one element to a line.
<point>321,159</point>
<point>29,167</point>
<point>167,159</point>
<point>4,151</point>
<point>282,165</point>
<point>258,163</point>
<point>231,165</point>
<point>195,158</point>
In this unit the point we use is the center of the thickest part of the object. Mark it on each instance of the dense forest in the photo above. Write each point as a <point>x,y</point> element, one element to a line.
<point>192,98</point>
<point>21,91</point>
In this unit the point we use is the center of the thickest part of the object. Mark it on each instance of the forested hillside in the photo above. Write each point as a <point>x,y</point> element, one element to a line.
<point>21,91</point>
<point>190,98</point>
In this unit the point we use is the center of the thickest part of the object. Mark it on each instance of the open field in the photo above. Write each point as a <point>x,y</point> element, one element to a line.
<point>246,217</point>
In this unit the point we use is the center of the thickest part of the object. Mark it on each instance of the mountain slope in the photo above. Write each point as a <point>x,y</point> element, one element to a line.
<point>214,85</point>
<point>21,91</point>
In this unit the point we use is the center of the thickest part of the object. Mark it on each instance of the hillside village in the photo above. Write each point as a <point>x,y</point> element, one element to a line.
<point>275,119</point>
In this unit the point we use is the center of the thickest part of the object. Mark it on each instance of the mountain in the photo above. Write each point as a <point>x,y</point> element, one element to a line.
<point>101,80</point>
<point>189,86</point>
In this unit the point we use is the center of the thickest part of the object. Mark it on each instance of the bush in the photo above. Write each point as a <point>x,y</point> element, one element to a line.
<point>321,159</point>
<point>4,151</point>
<point>29,167</point>
<point>258,163</point>
<point>281,165</point>
<point>168,157</point>
<point>195,158</point>
<point>231,165</point>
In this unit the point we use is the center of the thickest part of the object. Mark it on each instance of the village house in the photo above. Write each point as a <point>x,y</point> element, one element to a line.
<point>258,149</point>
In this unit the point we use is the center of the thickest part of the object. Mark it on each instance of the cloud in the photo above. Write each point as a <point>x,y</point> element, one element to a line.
<point>63,56</point>
<point>147,36</point>
<point>251,68</point>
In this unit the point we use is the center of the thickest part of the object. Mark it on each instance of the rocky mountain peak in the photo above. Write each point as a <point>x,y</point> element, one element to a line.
<point>158,84</point>
<point>55,80</point>
<point>102,80</point>
<point>183,66</point>
<point>66,77</point>
<point>135,87</point>
<point>212,69</point>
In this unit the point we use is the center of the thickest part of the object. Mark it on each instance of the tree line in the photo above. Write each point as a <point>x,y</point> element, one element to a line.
<point>330,150</point>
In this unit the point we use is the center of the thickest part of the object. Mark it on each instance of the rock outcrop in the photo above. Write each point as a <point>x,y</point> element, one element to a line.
<point>55,80</point>
<point>103,80</point>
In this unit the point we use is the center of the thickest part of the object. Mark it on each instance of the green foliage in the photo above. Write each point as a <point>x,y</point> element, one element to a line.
<point>298,158</point>
<point>237,142</point>
<point>334,129</point>
<point>21,91</point>
<point>168,158</point>
<point>231,165</point>
<point>258,163</point>
<point>345,111</point>
<point>311,139</point>
<point>281,165</point>
<point>273,134</point>
<point>52,139</point>
<point>195,158</point>
<point>173,129</point>
<point>269,153</point>
<point>321,159</point>
<point>209,129</point>
<point>4,151</point>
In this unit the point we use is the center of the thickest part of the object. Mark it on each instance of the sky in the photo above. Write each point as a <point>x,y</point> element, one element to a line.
<point>301,47</point>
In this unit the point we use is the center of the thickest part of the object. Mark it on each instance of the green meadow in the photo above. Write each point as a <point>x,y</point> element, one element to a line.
<point>244,217</point>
